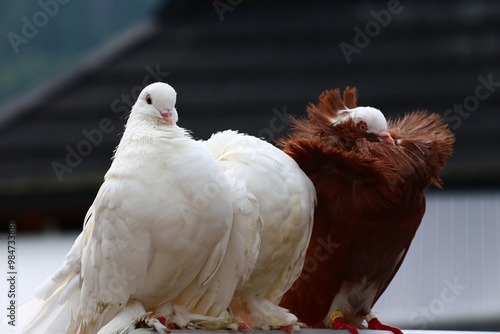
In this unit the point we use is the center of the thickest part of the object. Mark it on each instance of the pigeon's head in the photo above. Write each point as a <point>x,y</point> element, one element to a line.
<point>367,120</point>
<point>158,100</point>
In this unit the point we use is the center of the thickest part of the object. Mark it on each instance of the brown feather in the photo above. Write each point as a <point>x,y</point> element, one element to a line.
<point>370,200</point>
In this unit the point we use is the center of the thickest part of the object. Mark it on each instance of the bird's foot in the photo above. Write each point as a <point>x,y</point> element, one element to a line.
<point>172,316</point>
<point>244,327</point>
<point>157,324</point>
<point>169,324</point>
<point>374,323</point>
<point>289,328</point>
<point>292,327</point>
<point>338,322</point>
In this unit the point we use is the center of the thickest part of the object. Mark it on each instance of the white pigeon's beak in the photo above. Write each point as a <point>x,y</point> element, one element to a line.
<point>167,116</point>
<point>386,137</point>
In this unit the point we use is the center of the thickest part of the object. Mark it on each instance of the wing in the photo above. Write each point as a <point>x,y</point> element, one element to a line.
<point>333,173</point>
<point>426,141</point>
<point>242,250</point>
<point>57,304</point>
<point>287,215</point>
<point>351,186</point>
<point>273,201</point>
<point>244,242</point>
<point>326,262</point>
<point>285,198</point>
<point>385,282</point>
<point>116,252</point>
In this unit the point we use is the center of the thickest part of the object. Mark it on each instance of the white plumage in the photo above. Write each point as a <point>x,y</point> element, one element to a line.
<point>158,228</point>
<point>273,204</point>
<point>185,229</point>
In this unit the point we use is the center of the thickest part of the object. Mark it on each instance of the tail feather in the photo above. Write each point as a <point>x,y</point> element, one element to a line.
<point>56,303</point>
<point>52,315</point>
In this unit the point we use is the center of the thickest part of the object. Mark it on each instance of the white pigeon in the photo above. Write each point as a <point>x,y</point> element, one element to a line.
<point>273,204</point>
<point>159,226</point>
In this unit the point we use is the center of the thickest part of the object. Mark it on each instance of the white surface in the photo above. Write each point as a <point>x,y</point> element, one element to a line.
<point>38,256</point>
<point>458,244</point>
<point>458,241</point>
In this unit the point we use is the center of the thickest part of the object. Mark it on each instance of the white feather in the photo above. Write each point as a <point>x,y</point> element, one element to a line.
<point>125,320</point>
<point>374,118</point>
<point>273,203</point>
<point>153,231</point>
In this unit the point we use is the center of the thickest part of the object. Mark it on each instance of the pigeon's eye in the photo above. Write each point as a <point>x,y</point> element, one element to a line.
<point>149,100</point>
<point>362,126</point>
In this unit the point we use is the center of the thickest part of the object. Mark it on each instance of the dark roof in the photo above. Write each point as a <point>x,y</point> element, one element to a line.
<point>244,69</point>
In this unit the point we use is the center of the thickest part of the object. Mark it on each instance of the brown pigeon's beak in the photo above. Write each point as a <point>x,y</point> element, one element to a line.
<point>167,116</point>
<point>386,137</point>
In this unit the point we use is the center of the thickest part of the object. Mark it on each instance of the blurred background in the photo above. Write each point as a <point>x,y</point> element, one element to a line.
<point>71,70</point>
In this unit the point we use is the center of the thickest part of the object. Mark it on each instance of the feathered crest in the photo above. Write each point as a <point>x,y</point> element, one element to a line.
<point>320,115</point>
<point>362,185</point>
<point>330,102</point>
<point>425,142</point>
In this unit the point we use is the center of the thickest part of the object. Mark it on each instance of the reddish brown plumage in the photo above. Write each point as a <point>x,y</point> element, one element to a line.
<point>370,200</point>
